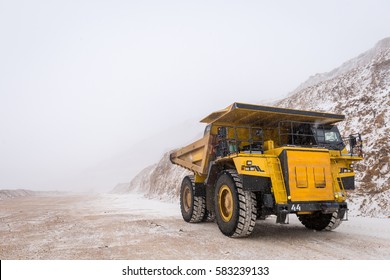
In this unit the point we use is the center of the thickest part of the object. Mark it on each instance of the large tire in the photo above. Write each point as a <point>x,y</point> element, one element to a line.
<point>193,208</point>
<point>235,209</point>
<point>320,221</point>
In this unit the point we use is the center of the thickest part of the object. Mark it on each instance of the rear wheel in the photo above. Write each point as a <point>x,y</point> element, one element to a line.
<point>193,208</point>
<point>235,209</point>
<point>320,221</point>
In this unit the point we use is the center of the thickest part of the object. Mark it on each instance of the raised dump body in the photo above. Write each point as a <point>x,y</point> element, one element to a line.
<point>254,161</point>
<point>195,156</point>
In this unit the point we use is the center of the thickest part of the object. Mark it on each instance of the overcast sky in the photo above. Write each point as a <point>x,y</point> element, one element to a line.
<point>85,82</point>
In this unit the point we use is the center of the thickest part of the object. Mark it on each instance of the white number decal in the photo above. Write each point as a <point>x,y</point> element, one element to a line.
<point>296,207</point>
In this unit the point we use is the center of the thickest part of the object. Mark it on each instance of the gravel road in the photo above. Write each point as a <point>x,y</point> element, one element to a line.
<point>102,226</point>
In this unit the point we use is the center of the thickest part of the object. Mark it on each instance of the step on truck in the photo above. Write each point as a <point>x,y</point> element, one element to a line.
<point>255,161</point>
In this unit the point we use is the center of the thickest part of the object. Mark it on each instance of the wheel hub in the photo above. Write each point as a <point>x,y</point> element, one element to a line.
<point>225,202</point>
<point>187,195</point>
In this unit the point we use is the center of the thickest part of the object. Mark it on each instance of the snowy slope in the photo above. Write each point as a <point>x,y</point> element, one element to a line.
<point>359,89</point>
<point>360,61</point>
<point>161,180</point>
<point>138,184</point>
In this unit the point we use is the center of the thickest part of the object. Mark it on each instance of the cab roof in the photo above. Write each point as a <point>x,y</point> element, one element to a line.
<point>258,115</point>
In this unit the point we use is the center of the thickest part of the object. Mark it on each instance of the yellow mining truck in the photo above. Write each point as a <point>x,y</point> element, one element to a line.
<point>255,161</point>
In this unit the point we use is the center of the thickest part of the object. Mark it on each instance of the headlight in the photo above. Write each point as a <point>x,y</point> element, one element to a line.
<point>345,170</point>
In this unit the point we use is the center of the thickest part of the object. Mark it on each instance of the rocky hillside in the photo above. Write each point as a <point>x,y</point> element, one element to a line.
<point>161,180</point>
<point>362,60</point>
<point>359,89</point>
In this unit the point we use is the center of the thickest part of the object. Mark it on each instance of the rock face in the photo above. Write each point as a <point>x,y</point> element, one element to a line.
<point>161,180</point>
<point>140,183</point>
<point>359,89</point>
<point>165,179</point>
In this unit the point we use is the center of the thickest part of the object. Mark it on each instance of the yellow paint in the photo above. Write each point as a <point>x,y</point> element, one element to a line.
<point>310,177</point>
<point>268,145</point>
<point>259,161</point>
<point>277,181</point>
<point>199,178</point>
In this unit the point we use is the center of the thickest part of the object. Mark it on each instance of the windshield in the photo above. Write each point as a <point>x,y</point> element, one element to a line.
<point>328,136</point>
<point>306,134</point>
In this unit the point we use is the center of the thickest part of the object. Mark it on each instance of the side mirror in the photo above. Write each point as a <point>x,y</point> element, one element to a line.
<point>356,144</point>
<point>352,141</point>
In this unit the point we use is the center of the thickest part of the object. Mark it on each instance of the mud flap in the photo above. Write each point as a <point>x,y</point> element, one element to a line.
<point>282,217</point>
<point>343,214</point>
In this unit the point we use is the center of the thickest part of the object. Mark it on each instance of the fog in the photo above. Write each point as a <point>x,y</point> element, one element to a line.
<point>91,92</point>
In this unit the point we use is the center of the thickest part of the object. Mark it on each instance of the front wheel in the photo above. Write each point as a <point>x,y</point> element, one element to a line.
<point>320,221</point>
<point>193,208</point>
<point>235,209</point>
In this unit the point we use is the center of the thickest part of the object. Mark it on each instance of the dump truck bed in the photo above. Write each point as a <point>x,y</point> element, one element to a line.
<point>195,156</point>
<point>256,115</point>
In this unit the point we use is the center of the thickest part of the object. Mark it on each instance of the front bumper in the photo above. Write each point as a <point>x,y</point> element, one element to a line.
<point>325,207</point>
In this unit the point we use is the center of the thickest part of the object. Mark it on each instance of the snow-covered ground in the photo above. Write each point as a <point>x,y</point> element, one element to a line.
<point>112,226</point>
<point>137,204</point>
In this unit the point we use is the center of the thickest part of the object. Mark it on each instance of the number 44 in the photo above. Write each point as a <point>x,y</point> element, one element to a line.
<point>296,207</point>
